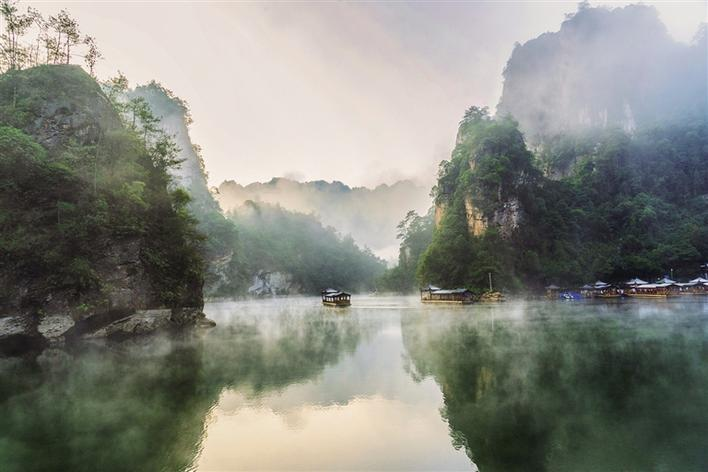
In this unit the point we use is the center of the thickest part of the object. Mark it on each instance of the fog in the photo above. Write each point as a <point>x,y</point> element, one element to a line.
<point>604,68</point>
<point>363,93</point>
<point>370,216</point>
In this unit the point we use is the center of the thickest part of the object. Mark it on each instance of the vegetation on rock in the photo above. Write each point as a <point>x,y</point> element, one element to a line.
<point>272,239</point>
<point>629,205</point>
<point>77,179</point>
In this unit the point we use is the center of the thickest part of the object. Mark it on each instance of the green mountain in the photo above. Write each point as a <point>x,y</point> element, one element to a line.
<point>631,205</point>
<point>287,252</point>
<point>614,185</point>
<point>368,215</point>
<point>223,275</point>
<point>90,228</point>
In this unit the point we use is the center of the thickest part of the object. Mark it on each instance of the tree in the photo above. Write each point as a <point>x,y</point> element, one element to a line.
<point>92,54</point>
<point>70,28</point>
<point>16,25</point>
<point>57,36</point>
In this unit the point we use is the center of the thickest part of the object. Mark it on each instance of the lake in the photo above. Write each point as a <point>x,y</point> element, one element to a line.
<point>387,384</point>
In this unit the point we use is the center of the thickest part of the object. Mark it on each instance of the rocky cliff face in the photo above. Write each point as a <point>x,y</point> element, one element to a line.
<point>65,111</point>
<point>506,217</point>
<point>273,283</point>
<point>191,176</point>
<point>175,119</point>
<point>604,68</point>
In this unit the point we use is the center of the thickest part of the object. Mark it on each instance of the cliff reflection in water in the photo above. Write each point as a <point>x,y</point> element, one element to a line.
<point>386,384</point>
<point>142,406</point>
<point>557,387</point>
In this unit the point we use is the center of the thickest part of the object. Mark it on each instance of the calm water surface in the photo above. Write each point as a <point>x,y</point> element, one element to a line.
<point>385,384</point>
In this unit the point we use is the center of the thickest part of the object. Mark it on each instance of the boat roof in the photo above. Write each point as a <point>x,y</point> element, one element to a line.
<point>451,291</point>
<point>698,280</point>
<point>432,288</point>
<point>553,287</point>
<point>655,285</point>
<point>637,281</point>
<point>665,280</point>
<point>333,292</point>
<point>336,294</point>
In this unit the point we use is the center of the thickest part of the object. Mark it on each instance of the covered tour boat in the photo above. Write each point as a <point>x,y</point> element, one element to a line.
<point>553,292</point>
<point>332,297</point>
<point>432,294</point>
<point>698,286</point>
<point>604,290</point>
<point>658,290</point>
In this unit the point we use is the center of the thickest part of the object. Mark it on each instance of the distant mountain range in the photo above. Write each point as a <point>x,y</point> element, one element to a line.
<point>370,216</point>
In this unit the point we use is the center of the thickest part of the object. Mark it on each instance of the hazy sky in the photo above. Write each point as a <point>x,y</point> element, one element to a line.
<point>359,92</point>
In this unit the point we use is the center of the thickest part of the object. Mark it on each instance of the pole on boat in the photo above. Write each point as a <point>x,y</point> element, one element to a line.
<point>490,281</point>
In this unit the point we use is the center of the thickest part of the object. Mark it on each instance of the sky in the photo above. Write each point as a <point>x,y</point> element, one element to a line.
<point>365,93</point>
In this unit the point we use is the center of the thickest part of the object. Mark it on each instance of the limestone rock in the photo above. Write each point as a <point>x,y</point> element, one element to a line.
<point>17,334</point>
<point>272,283</point>
<point>141,323</point>
<point>54,327</point>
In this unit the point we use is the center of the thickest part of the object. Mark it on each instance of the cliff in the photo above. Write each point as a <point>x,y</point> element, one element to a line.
<point>632,205</point>
<point>89,231</point>
<point>222,275</point>
<point>489,169</point>
<point>604,68</point>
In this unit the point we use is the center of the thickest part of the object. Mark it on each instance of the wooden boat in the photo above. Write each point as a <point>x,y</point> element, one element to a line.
<point>553,292</point>
<point>660,290</point>
<point>457,296</point>
<point>604,290</point>
<point>697,286</point>
<point>332,297</point>
<point>649,295</point>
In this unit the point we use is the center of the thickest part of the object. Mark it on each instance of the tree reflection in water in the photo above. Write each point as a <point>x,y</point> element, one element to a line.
<point>565,388</point>
<point>143,405</point>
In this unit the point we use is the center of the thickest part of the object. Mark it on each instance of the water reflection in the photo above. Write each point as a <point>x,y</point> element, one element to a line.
<point>386,384</point>
<point>278,385</point>
<point>362,413</point>
<point>571,387</point>
<point>143,405</point>
<point>104,411</point>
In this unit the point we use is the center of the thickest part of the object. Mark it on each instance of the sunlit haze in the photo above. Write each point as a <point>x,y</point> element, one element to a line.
<point>363,93</point>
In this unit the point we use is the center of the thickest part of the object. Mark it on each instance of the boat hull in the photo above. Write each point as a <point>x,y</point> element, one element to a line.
<point>340,304</point>
<point>449,302</point>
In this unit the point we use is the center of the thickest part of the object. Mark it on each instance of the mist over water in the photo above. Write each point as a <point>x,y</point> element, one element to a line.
<point>386,384</point>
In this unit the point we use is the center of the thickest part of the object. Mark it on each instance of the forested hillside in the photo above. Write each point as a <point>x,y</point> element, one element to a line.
<point>223,272</point>
<point>368,215</point>
<point>88,222</point>
<point>597,179</point>
<point>631,205</point>
<point>305,256</point>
